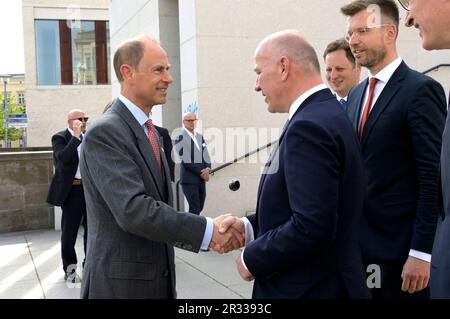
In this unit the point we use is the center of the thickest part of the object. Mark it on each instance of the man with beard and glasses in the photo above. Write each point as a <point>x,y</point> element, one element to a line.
<point>399,116</point>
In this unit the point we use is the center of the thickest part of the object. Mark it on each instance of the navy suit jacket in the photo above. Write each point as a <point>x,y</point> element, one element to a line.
<point>401,147</point>
<point>440,259</point>
<point>308,210</point>
<point>65,160</point>
<point>192,159</point>
<point>167,147</point>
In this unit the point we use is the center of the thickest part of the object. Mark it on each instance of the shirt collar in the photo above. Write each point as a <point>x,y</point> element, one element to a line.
<point>341,98</point>
<point>294,106</point>
<point>138,114</point>
<point>385,74</point>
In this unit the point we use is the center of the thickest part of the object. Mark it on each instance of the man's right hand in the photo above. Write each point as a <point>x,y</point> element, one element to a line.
<point>77,125</point>
<point>228,234</point>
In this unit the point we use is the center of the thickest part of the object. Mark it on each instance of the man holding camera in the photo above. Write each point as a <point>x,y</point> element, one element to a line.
<point>66,189</point>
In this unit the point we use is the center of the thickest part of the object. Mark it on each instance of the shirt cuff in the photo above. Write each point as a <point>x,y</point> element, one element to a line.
<point>242,260</point>
<point>249,234</point>
<point>208,233</point>
<point>420,255</point>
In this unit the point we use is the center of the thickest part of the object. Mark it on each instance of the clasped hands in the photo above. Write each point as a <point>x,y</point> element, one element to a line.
<point>228,234</point>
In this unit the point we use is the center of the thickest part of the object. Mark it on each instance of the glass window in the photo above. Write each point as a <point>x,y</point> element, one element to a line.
<point>83,52</point>
<point>47,52</point>
<point>76,54</point>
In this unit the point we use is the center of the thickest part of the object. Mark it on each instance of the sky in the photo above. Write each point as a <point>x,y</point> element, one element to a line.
<point>11,37</point>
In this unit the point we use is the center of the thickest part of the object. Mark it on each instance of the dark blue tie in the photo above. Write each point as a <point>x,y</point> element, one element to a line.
<point>343,103</point>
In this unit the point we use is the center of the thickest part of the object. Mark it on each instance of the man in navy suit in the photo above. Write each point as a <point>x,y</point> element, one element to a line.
<point>399,115</point>
<point>432,18</point>
<point>66,189</point>
<point>306,225</point>
<point>195,164</point>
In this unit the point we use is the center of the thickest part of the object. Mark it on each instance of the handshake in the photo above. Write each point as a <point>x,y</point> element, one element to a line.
<point>228,234</point>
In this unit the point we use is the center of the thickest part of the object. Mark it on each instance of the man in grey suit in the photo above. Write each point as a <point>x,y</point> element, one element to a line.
<point>127,186</point>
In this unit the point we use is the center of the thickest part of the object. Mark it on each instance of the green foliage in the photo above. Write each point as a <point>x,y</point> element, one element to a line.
<point>13,108</point>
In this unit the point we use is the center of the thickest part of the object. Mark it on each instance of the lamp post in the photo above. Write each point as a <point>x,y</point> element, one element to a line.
<point>5,81</point>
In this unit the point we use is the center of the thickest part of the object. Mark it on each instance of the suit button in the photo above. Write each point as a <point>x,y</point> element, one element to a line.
<point>166,273</point>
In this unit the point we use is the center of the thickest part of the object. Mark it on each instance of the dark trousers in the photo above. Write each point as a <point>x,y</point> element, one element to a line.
<point>391,281</point>
<point>195,195</point>
<point>73,213</point>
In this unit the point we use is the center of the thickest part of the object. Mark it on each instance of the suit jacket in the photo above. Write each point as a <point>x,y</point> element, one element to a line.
<point>192,159</point>
<point>440,258</point>
<point>401,147</point>
<point>132,229</point>
<point>65,160</point>
<point>308,210</point>
<point>167,146</point>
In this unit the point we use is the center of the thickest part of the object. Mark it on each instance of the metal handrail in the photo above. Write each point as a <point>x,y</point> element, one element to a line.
<point>218,168</point>
<point>435,68</point>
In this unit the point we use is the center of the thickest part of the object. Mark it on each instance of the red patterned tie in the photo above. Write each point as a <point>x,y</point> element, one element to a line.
<point>153,141</point>
<point>367,106</point>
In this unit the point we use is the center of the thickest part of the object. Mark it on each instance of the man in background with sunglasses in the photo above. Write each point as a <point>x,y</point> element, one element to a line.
<point>66,189</point>
<point>399,116</point>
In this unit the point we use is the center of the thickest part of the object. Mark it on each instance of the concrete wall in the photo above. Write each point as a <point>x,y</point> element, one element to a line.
<point>25,179</point>
<point>159,19</point>
<point>47,106</point>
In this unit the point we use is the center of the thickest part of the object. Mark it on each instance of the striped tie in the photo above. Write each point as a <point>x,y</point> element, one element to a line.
<point>153,141</point>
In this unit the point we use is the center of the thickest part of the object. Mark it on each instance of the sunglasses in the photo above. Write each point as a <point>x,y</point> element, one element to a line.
<point>405,4</point>
<point>81,119</point>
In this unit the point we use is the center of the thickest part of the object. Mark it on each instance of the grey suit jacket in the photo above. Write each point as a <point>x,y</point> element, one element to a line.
<point>132,229</point>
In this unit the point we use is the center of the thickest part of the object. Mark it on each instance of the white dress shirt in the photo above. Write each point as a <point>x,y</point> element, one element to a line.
<point>193,137</point>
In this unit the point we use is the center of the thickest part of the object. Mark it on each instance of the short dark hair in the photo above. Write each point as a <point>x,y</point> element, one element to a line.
<point>340,44</point>
<point>388,8</point>
<point>130,52</point>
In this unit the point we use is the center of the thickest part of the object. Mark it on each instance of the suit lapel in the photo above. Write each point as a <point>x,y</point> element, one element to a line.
<point>383,100</point>
<point>272,164</point>
<point>272,160</point>
<point>143,145</point>
<point>165,167</point>
<point>68,137</point>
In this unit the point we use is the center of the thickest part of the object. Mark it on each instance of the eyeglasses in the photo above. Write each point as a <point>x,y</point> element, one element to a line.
<point>189,120</point>
<point>363,31</point>
<point>405,4</point>
<point>81,119</point>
